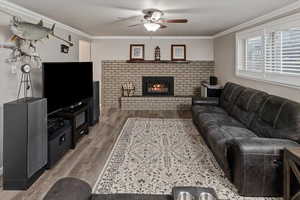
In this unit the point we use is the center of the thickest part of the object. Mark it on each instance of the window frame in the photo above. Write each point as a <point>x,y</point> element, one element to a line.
<point>240,41</point>
<point>289,80</point>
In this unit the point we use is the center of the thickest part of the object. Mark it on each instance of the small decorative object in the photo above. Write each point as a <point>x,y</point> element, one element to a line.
<point>157,54</point>
<point>128,89</point>
<point>185,196</point>
<point>64,49</point>
<point>178,52</point>
<point>25,81</point>
<point>137,52</point>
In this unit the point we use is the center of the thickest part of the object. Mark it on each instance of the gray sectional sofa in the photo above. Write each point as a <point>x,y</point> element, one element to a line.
<point>247,131</point>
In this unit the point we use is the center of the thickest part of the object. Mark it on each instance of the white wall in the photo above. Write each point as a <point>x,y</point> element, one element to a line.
<point>118,49</point>
<point>49,51</point>
<point>224,51</point>
<point>85,51</point>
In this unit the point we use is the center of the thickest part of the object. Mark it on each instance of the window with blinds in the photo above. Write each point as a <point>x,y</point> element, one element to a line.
<point>254,58</point>
<point>251,53</point>
<point>283,52</point>
<point>270,52</point>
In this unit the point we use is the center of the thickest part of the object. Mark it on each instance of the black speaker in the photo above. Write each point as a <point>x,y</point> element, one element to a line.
<point>24,142</point>
<point>213,80</point>
<point>94,105</point>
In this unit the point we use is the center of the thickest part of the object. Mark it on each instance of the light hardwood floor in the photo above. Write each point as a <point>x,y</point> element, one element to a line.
<point>89,157</point>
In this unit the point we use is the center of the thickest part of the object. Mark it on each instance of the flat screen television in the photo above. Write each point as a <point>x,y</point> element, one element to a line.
<point>67,83</point>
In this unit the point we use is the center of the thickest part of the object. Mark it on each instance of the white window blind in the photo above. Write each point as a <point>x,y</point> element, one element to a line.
<point>270,52</point>
<point>283,52</point>
<point>250,53</point>
<point>254,54</point>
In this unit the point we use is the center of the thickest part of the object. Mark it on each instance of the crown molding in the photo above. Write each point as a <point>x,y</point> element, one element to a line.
<point>276,13</point>
<point>13,9</point>
<point>151,37</point>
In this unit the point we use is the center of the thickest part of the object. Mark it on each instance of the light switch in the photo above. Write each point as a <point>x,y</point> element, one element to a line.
<point>14,69</point>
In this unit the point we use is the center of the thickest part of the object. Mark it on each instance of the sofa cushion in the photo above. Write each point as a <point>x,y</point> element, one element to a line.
<point>219,136</point>
<point>217,120</point>
<point>207,121</point>
<point>208,109</point>
<point>278,118</point>
<point>234,132</point>
<point>229,96</point>
<point>247,105</point>
<point>213,101</point>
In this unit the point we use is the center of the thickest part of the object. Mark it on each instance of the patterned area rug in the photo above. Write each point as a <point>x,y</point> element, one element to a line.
<point>153,155</point>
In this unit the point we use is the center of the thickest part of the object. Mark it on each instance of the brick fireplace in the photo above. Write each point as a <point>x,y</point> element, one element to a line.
<point>186,82</point>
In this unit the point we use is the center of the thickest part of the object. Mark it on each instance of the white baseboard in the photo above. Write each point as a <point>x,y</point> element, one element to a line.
<point>1,171</point>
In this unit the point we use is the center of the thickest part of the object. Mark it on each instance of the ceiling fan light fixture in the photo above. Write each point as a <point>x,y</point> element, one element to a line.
<point>156,15</point>
<point>151,27</point>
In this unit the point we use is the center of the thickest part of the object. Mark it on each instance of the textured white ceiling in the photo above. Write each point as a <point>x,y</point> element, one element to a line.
<point>102,17</point>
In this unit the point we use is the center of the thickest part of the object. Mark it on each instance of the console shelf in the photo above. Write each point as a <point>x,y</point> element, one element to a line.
<point>79,122</point>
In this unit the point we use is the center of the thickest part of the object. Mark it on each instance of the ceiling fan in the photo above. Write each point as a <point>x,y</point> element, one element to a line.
<point>153,20</point>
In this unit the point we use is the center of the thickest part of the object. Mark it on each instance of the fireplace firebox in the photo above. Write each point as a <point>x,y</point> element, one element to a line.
<point>158,86</point>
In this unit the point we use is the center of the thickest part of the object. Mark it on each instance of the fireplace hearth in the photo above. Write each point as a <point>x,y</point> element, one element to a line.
<point>158,86</point>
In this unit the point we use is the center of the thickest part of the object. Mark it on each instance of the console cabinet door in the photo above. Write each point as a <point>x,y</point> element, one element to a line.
<point>37,136</point>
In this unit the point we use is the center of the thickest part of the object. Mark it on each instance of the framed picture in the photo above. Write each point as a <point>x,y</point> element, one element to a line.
<point>137,52</point>
<point>178,52</point>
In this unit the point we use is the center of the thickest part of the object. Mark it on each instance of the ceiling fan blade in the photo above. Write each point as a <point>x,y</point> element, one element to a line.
<point>162,26</point>
<point>174,21</point>
<point>124,19</point>
<point>183,10</point>
<point>135,25</point>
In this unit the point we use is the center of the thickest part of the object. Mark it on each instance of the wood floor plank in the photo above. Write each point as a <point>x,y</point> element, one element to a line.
<point>89,157</point>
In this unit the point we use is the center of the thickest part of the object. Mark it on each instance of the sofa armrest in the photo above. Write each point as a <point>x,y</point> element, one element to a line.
<point>205,101</point>
<point>69,189</point>
<point>257,145</point>
<point>256,165</point>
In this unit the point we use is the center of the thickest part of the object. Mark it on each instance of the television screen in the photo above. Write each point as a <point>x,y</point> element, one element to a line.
<point>66,84</point>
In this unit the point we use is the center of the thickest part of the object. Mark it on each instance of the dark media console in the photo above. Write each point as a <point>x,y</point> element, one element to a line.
<point>78,118</point>
<point>66,127</point>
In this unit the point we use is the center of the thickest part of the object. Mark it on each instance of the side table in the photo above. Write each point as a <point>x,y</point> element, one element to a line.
<point>291,185</point>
